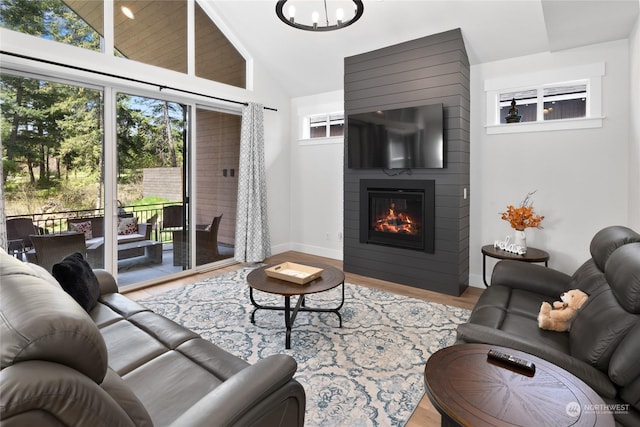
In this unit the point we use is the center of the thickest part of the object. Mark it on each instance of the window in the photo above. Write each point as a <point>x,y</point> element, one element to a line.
<point>562,101</point>
<point>74,22</point>
<point>558,99</point>
<point>325,126</point>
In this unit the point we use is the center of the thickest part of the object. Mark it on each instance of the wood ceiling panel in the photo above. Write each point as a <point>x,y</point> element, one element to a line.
<point>156,36</point>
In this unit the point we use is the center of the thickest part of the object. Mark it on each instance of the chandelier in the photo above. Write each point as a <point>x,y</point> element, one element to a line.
<point>315,25</point>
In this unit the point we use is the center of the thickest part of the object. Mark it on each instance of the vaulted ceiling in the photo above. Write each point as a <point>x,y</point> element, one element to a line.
<point>312,62</point>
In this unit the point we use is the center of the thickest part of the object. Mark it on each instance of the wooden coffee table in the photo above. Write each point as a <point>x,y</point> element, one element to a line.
<point>331,277</point>
<point>470,390</point>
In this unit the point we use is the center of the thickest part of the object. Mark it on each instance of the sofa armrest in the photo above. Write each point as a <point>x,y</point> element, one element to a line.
<point>144,229</point>
<point>107,282</point>
<point>597,380</point>
<point>239,394</point>
<point>50,394</point>
<point>530,277</point>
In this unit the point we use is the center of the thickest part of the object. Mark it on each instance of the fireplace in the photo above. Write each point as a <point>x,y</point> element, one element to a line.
<point>398,213</point>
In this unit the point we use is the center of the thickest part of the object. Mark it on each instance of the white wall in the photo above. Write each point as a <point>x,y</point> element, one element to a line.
<point>581,176</point>
<point>634,129</point>
<point>316,181</point>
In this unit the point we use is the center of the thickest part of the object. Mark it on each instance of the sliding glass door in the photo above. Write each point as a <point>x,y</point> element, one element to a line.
<point>216,183</point>
<point>152,230</point>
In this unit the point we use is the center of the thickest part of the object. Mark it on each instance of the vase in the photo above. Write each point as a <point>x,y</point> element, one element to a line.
<point>520,239</point>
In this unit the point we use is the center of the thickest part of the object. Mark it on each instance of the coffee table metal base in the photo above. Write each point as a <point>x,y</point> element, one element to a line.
<point>290,315</point>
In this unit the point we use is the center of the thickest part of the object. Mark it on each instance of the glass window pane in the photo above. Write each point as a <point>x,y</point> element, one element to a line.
<point>152,234</point>
<point>152,32</point>
<point>216,58</point>
<point>74,22</point>
<point>216,177</point>
<point>53,162</point>
<point>318,131</point>
<point>565,102</point>
<point>336,125</point>
<point>526,104</point>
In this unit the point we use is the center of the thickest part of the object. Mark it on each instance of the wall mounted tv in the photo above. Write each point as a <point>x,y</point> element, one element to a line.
<point>404,138</point>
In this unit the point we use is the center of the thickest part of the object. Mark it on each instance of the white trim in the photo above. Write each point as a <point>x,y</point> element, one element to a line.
<point>321,141</point>
<point>549,125</point>
<point>589,73</point>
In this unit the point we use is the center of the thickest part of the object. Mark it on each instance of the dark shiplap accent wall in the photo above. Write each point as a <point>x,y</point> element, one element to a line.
<point>430,70</point>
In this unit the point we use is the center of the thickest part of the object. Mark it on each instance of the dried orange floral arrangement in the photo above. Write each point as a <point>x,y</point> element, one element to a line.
<point>523,216</point>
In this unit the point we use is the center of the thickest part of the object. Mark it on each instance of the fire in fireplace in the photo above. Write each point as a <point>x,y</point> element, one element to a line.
<point>393,221</point>
<point>397,213</point>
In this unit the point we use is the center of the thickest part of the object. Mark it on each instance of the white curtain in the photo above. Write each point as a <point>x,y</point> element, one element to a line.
<point>252,231</point>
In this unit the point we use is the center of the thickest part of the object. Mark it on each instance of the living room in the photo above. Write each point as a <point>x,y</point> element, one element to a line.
<point>584,179</point>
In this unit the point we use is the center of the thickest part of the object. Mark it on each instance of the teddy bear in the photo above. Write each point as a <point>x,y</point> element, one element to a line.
<point>559,317</point>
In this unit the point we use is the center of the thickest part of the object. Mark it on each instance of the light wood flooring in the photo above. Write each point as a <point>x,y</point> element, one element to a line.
<point>425,414</point>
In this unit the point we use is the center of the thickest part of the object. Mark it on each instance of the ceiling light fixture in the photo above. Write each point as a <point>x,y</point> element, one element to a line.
<point>127,12</point>
<point>315,16</point>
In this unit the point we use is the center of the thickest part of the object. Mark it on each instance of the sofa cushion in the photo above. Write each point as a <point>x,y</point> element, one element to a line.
<point>599,327</point>
<point>82,227</point>
<point>127,226</point>
<point>77,278</point>
<point>623,274</point>
<point>607,240</point>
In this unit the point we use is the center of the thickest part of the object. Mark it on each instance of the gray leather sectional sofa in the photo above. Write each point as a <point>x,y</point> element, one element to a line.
<point>603,346</point>
<point>119,364</point>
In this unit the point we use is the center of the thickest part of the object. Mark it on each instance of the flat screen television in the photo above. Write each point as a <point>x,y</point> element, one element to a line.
<point>404,138</point>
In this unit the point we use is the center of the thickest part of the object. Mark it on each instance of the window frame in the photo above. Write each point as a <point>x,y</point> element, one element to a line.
<point>306,137</point>
<point>590,74</point>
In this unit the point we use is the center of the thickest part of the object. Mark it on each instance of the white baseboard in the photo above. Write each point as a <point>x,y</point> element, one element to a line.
<point>318,251</point>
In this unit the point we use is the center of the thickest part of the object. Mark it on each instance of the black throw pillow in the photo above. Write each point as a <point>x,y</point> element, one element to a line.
<point>77,278</point>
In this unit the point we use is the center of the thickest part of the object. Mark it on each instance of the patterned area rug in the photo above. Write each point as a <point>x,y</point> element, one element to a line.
<point>367,373</point>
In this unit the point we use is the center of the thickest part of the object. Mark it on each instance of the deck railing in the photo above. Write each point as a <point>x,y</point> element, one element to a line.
<point>57,221</point>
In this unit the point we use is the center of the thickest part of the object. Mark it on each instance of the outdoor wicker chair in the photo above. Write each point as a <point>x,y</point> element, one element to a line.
<point>53,248</point>
<point>18,232</point>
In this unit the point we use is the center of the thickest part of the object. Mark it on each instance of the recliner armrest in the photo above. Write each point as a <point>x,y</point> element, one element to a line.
<point>107,282</point>
<point>530,277</point>
<point>236,396</point>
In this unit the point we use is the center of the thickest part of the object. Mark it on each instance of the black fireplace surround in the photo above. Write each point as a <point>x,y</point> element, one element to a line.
<point>399,213</point>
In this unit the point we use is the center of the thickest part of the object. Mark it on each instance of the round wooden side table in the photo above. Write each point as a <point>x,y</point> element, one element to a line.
<point>469,389</point>
<point>532,255</point>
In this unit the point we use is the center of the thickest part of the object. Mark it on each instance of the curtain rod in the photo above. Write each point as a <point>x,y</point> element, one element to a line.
<point>130,79</point>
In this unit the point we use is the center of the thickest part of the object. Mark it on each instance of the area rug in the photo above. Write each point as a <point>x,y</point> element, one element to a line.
<point>367,373</point>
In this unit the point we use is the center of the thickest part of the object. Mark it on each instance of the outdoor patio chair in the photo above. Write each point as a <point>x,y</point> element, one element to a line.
<point>172,218</point>
<point>50,249</point>
<point>18,232</point>
<point>207,242</point>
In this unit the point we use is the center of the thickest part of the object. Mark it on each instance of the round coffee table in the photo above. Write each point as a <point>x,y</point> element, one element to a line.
<point>331,277</point>
<point>469,389</point>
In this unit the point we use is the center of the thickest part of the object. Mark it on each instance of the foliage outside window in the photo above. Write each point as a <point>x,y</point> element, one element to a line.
<point>150,32</point>
<point>326,126</point>
<point>53,20</point>
<point>52,143</point>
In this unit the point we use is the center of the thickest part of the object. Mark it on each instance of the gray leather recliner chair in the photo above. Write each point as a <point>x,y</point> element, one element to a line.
<point>603,346</point>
